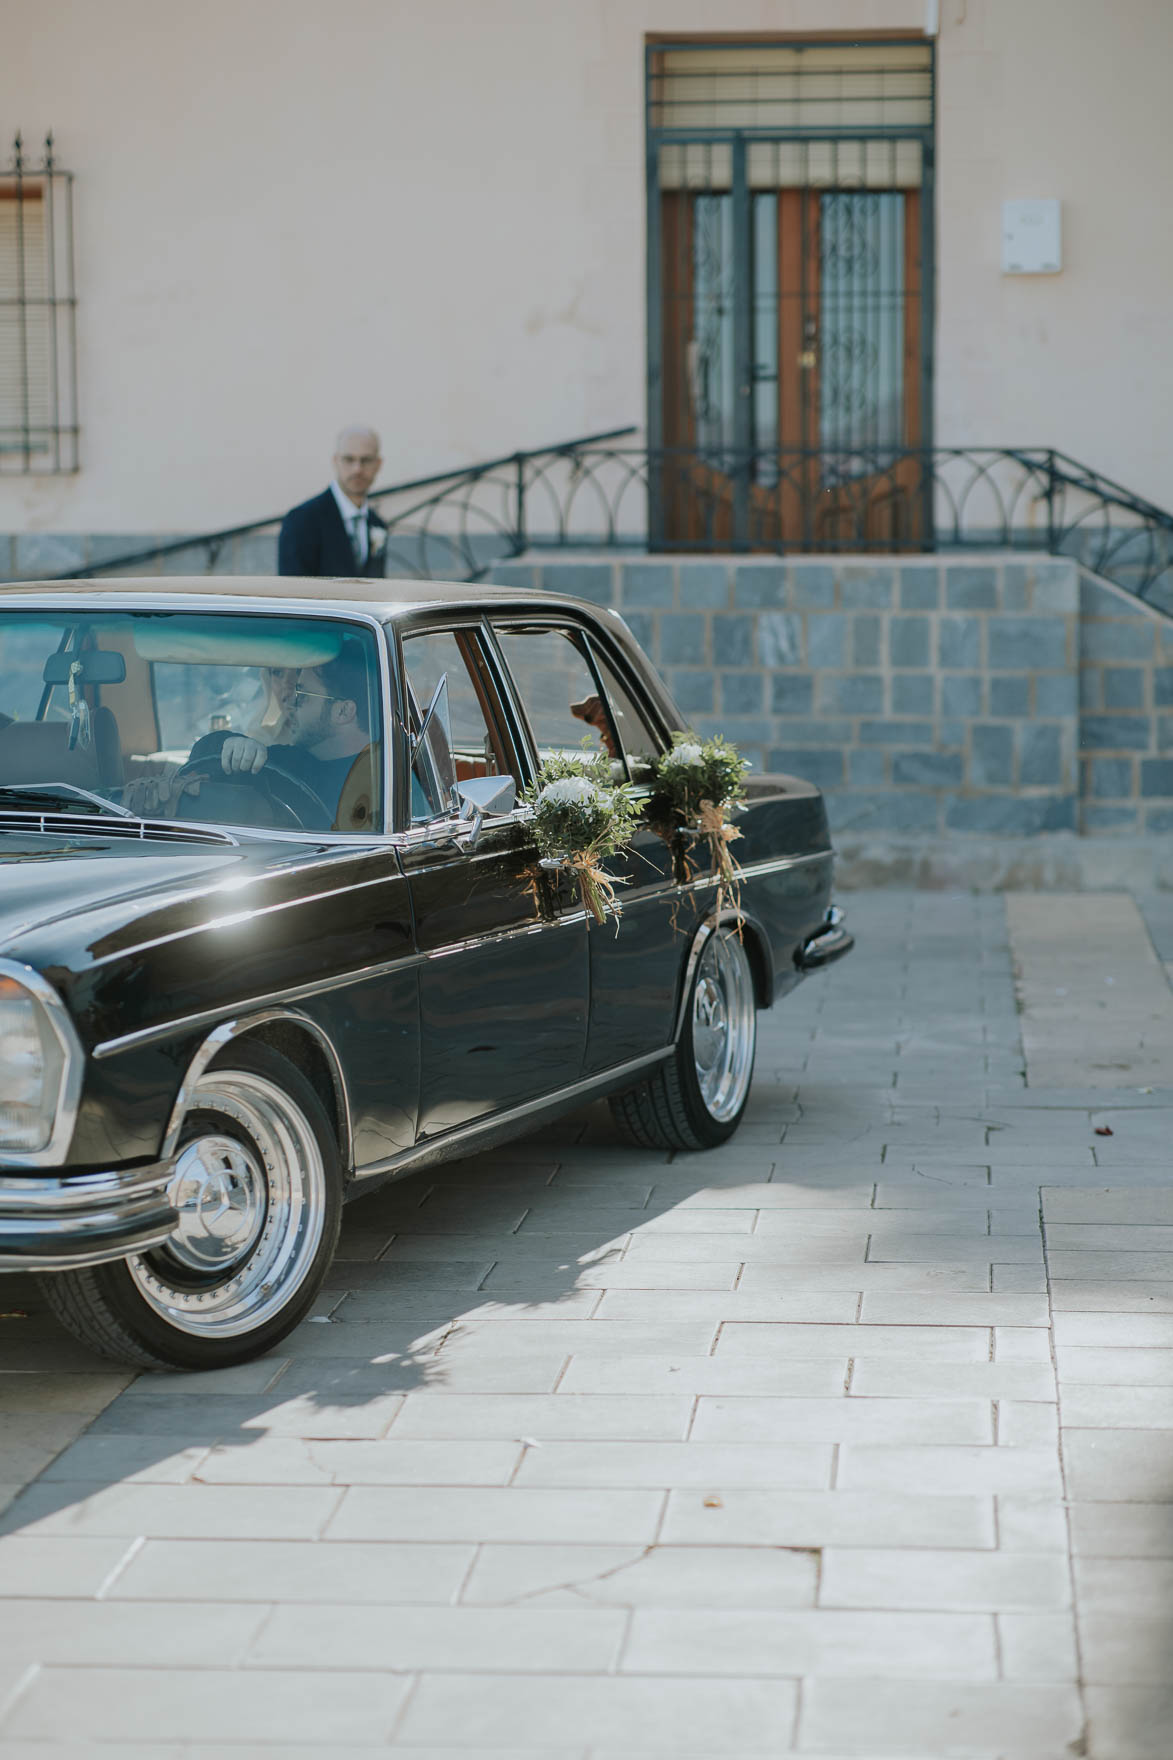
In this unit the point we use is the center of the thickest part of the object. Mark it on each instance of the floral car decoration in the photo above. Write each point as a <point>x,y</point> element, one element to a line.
<point>701,783</point>
<point>580,816</point>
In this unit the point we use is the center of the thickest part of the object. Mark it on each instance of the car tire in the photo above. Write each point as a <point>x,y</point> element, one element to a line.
<point>258,1186</point>
<point>696,1099</point>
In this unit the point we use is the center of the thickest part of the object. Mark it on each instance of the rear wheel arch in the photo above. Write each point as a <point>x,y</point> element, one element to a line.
<point>757,950</point>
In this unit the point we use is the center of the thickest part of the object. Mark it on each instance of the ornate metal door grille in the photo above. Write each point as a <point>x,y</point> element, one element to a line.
<point>789,291</point>
<point>38,355</point>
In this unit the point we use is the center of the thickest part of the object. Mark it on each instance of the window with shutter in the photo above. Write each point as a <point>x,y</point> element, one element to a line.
<point>38,376</point>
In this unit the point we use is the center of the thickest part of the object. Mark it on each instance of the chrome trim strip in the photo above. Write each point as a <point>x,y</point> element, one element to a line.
<point>295,993</point>
<point>69,1092</point>
<point>466,1134</point>
<point>229,1030</point>
<point>751,870</point>
<point>251,912</point>
<point>119,595</point>
<point>390,727</point>
<point>404,962</point>
<point>536,927</point>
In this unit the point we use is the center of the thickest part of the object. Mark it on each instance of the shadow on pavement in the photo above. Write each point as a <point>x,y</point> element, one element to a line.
<point>460,1279</point>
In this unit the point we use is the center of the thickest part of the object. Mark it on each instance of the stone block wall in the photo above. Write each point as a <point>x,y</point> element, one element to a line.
<point>924,696</point>
<point>1126,718</point>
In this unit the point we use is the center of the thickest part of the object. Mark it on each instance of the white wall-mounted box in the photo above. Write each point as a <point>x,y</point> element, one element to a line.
<point>1031,243</point>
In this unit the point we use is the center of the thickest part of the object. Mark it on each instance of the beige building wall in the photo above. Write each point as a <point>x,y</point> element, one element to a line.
<point>431,217</point>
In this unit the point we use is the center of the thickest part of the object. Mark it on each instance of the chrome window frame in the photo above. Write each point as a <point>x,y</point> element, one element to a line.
<point>442,621</point>
<point>565,621</point>
<point>321,610</point>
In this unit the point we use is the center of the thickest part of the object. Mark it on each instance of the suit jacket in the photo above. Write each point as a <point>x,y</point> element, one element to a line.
<point>315,541</point>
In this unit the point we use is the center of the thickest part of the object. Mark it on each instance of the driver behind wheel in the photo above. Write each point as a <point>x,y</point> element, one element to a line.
<point>155,791</point>
<point>327,728</point>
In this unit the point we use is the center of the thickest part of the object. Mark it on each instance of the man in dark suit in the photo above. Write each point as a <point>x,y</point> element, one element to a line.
<point>338,533</point>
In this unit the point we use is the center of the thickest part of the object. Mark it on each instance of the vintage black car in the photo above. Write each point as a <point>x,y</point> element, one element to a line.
<point>273,928</point>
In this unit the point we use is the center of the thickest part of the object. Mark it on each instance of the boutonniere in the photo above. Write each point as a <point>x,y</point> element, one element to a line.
<point>376,538</point>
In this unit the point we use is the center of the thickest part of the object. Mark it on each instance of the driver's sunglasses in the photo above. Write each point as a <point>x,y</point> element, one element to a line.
<point>324,695</point>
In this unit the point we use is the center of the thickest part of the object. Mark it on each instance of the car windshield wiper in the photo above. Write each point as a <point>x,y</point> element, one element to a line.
<point>65,795</point>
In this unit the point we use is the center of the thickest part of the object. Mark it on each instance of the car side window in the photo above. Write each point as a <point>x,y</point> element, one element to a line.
<point>474,733</point>
<point>559,692</point>
<point>639,744</point>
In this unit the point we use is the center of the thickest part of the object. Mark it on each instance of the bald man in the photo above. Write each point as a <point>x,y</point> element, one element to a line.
<point>338,533</point>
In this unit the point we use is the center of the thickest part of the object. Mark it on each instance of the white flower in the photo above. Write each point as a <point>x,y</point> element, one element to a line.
<point>569,791</point>
<point>684,755</point>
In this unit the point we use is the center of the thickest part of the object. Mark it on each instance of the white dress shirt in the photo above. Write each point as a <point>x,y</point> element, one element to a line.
<point>355,520</point>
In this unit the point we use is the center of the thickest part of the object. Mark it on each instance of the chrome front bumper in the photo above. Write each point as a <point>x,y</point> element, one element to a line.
<point>830,943</point>
<point>59,1222</point>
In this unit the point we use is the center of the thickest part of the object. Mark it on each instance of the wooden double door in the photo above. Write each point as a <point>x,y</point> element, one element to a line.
<point>793,370</point>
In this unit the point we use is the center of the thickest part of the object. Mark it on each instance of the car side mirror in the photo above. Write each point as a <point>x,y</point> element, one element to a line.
<point>480,797</point>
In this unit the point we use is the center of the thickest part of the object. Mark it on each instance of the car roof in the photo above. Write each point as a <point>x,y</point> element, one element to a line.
<point>386,599</point>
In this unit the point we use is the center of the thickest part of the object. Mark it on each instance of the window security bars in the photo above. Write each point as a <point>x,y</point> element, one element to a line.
<point>789,268</point>
<point>38,351</point>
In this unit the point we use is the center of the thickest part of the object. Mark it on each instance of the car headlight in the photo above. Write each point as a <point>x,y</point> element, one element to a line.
<point>34,1068</point>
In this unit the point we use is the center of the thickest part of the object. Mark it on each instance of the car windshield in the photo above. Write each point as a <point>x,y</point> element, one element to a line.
<point>254,720</point>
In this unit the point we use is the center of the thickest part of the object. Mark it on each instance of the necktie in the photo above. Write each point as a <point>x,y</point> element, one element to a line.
<point>359,538</point>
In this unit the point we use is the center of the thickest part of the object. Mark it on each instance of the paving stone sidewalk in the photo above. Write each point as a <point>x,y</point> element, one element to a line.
<point>590,1454</point>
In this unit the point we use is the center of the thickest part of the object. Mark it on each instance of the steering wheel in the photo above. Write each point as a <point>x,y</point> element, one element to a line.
<point>295,805</point>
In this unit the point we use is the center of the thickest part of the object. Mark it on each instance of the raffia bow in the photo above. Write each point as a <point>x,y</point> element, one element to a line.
<point>714,826</point>
<point>596,887</point>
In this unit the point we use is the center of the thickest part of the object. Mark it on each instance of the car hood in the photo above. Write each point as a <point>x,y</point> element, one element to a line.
<point>46,878</point>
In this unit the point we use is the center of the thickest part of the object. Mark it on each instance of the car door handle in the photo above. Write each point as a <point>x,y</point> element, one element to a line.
<point>468,839</point>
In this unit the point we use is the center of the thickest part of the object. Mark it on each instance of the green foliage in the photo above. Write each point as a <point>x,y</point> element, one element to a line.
<point>697,770</point>
<point>579,809</point>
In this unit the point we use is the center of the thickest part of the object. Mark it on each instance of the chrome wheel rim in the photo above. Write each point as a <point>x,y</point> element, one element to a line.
<point>724,1025</point>
<point>250,1192</point>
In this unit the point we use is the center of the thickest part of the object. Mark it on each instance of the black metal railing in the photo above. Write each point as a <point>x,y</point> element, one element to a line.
<point>913,499</point>
<point>451,526</point>
<point>597,493</point>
